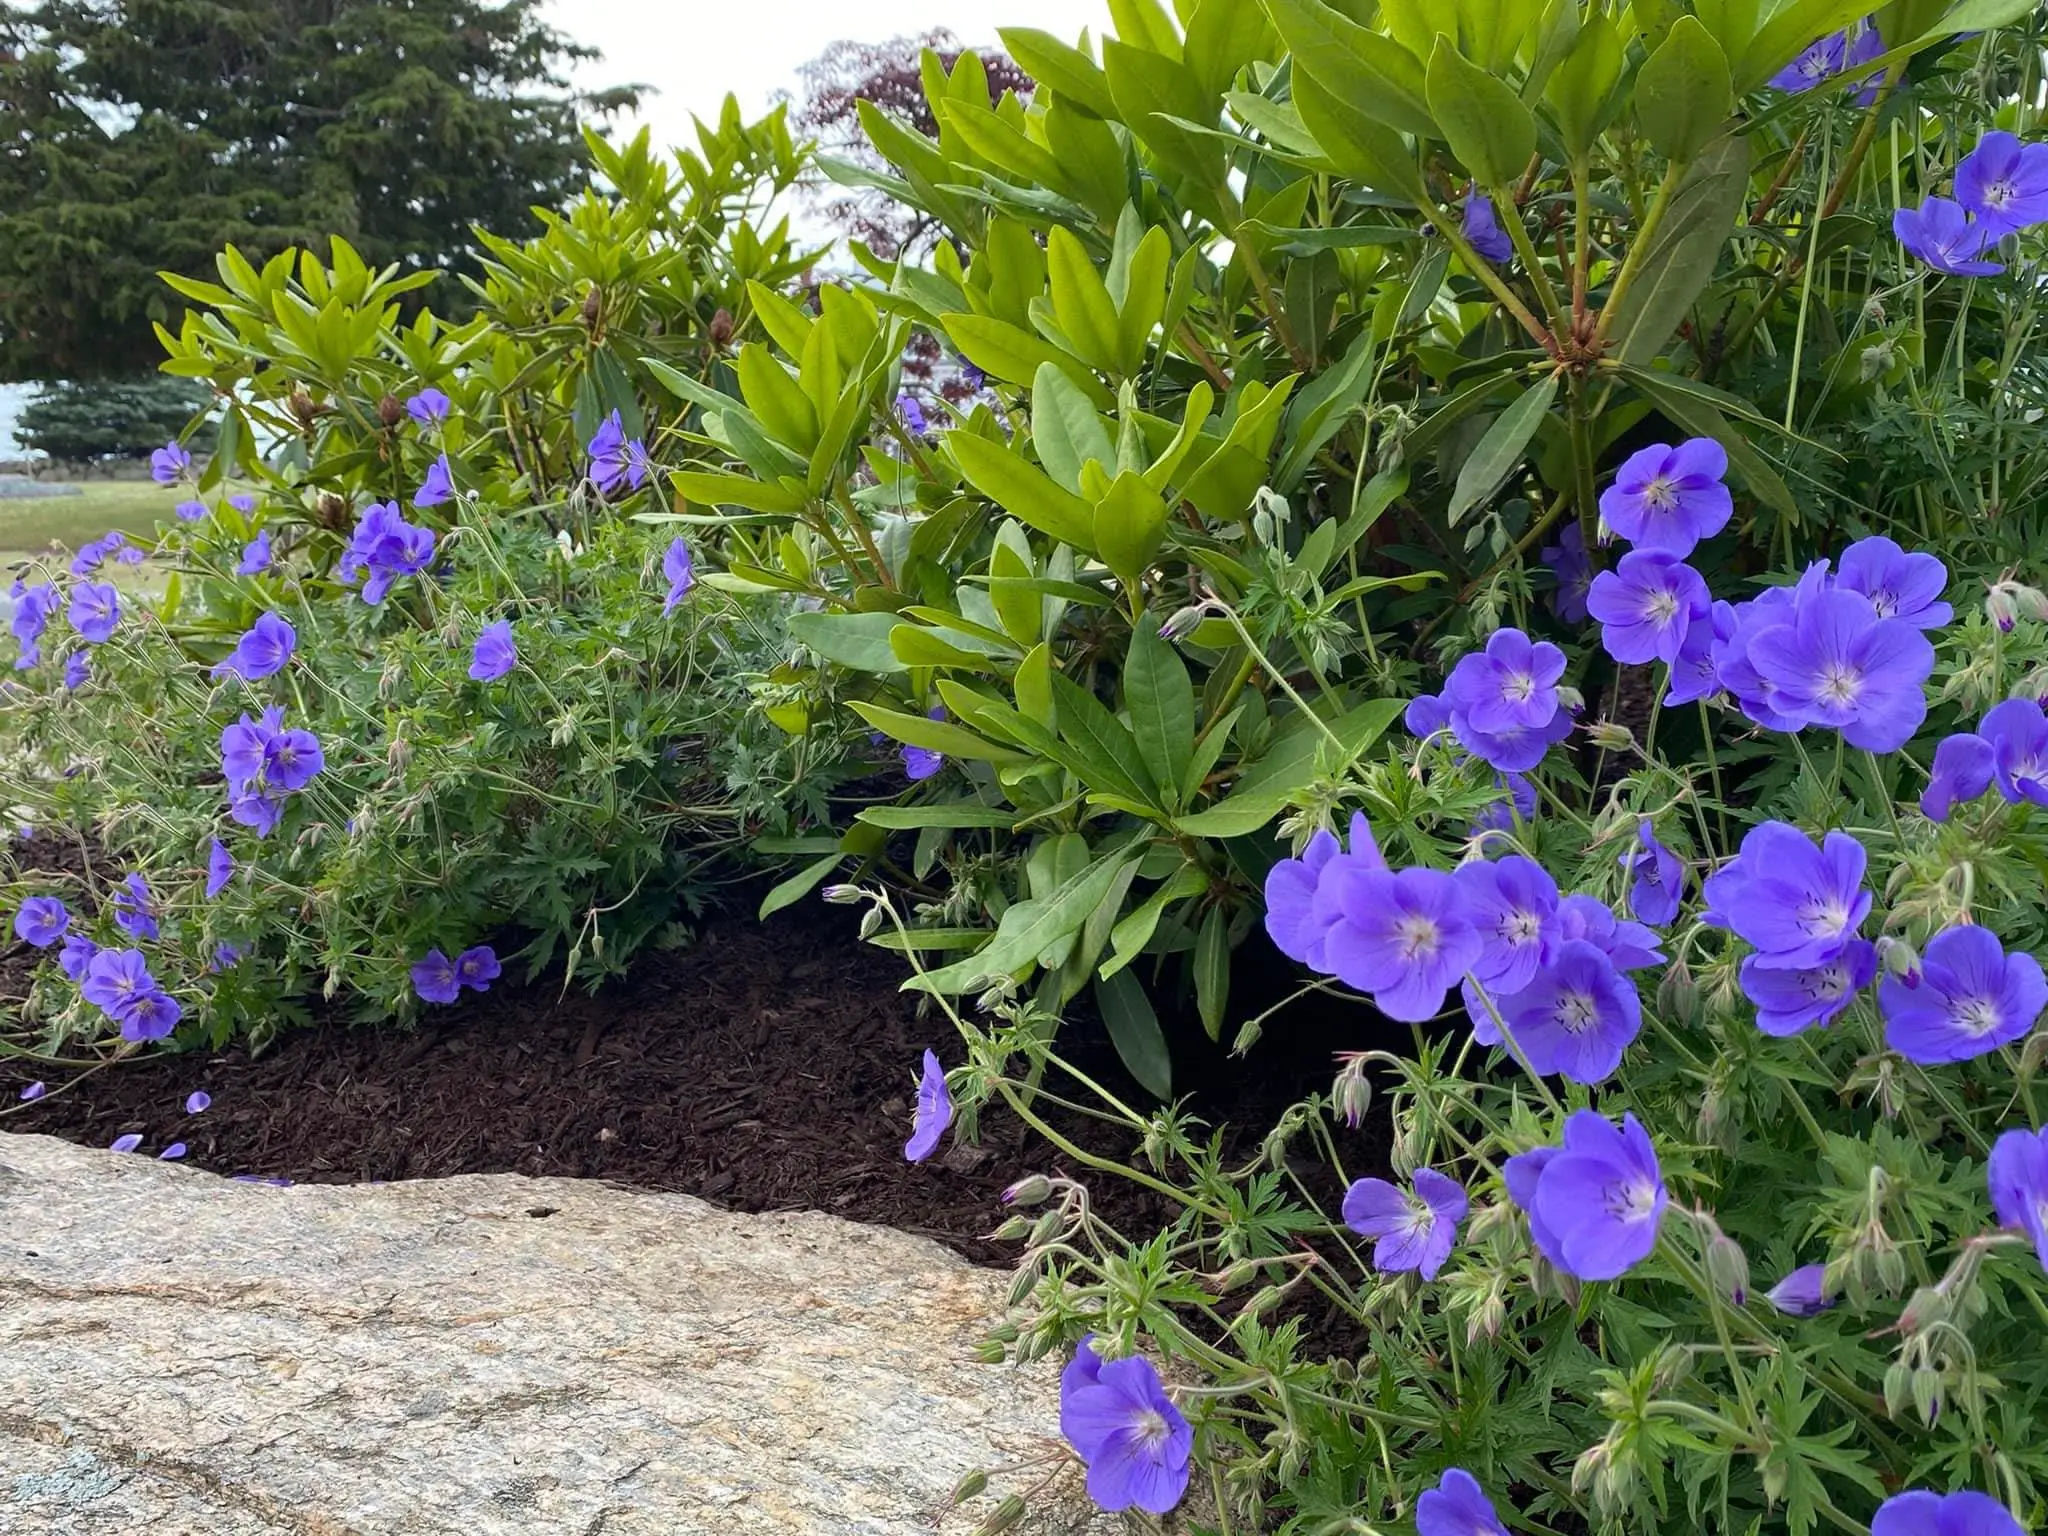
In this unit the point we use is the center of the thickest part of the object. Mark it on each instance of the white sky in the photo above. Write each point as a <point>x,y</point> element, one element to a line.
<point>695,51</point>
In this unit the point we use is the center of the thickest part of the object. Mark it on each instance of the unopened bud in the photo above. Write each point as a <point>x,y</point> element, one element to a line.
<point>2002,607</point>
<point>1047,1227</point>
<point>1351,1094</point>
<point>1927,1394</point>
<point>1875,360</point>
<point>1611,735</point>
<point>991,1352</point>
<point>593,304</point>
<point>1899,959</point>
<point>720,329</point>
<point>1898,1388</point>
<point>1012,1231</point>
<point>1035,1189</point>
<point>333,511</point>
<point>302,406</point>
<point>870,922</point>
<point>1182,621</point>
<point>1488,1318</point>
<point>1021,1286</point>
<point>1928,1306</point>
<point>1678,995</point>
<point>2033,602</point>
<point>842,895</point>
<point>1574,702</point>
<point>972,1486</point>
<point>1005,1518</point>
<point>2033,1053</point>
<point>389,411</point>
<point>1728,1267</point>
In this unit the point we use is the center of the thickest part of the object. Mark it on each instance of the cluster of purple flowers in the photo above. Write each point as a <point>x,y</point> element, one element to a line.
<point>1136,1444</point>
<point>437,979</point>
<point>2009,749</point>
<point>262,760</point>
<point>383,548</point>
<point>33,606</point>
<point>118,982</point>
<point>1502,704</point>
<point>2001,188</point>
<point>93,553</point>
<point>616,460</point>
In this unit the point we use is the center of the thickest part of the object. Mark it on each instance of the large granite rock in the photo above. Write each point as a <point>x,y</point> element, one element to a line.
<point>184,1354</point>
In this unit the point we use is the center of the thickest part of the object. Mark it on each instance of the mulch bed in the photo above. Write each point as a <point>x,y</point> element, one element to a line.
<point>768,1067</point>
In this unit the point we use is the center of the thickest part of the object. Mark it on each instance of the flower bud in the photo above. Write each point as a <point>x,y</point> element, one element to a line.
<point>2032,601</point>
<point>1927,1394</point>
<point>1021,1286</point>
<point>1898,1388</point>
<point>1611,735</point>
<point>1900,959</point>
<point>332,510</point>
<point>1005,1518</point>
<point>1678,995</point>
<point>1183,620</point>
<point>1574,702</point>
<point>1047,1227</point>
<point>720,330</point>
<point>1728,1267</point>
<point>1928,1307</point>
<point>302,406</point>
<point>1011,1231</point>
<point>1034,1189</point>
<point>1351,1094</point>
<point>389,411</point>
<point>842,895</point>
<point>870,922</point>
<point>2001,607</point>
<point>593,304</point>
<point>1488,1318</point>
<point>972,1486</point>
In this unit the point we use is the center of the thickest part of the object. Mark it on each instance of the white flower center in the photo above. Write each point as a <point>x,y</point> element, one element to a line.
<point>1518,687</point>
<point>1575,1012</point>
<point>1999,193</point>
<point>1152,1428</point>
<point>1416,936</point>
<point>1522,928</point>
<point>1662,608</point>
<point>1632,1200</point>
<point>1974,1016</point>
<point>1824,918</point>
<point>1884,602</point>
<point>1841,684</point>
<point>1659,494</point>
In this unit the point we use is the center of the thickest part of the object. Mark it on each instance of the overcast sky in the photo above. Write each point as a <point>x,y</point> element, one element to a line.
<point>695,51</point>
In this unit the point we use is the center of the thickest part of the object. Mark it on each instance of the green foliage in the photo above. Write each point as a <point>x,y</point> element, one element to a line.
<point>117,419</point>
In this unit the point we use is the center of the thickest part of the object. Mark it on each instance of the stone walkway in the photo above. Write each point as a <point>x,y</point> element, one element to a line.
<point>182,1355</point>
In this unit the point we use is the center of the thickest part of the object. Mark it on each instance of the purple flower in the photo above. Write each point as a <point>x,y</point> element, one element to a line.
<point>1601,1197</point>
<point>1802,1293</point>
<point>1899,585</point>
<point>1523,1174</point>
<point>2018,733</point>
<point>41,921</point>
<point>2018,1176</point>
<point>1456,1507</point>
<point>243,504</point>
<point>135,908</point>
<point>1791,1001</point>
<point>1694,674</point>
<point>220,869</point>
<point>291,759</point>
<point>1483,231</point>
<point>1416,1229</point>
<point>76,955</point>
<point>198,1102</point>
<point>1631,946</point>
<point>1837,664</point>
<point>95,610</point>
<point>127,1143</point>
<point>1963,767</point>
<point>613,460</point>
<point>920,763</point>
<point>439,486</point>
<point>90,555</point>
<point>495,654</point>
<point>1669,499</point>
<point>1117,1416</point>
<point>970,375</point>
<point>1941,235</point>
<point>1658,878</point>
<point>2004,183</point>
<point>168,463</point>
<point>1426,715</point>
<point>1511,685</point>
<point>428,407</point>
<point>934,1111</point>
<point>477,967</point>
<point>383,548</point>
<point>130,555</point>
<point>1402,936</point>
<point>259,813</point>
<point>32,609</point>
<point>150,1016</point>
<point>262,651</point>
<point>1921,1513</point>
<point>1569,563</point>
<point>434,978</point>
<point>1517,800</point>
<point>255,556</point>
<point>242,744</point>
<point>172,1153</point>
<point>680,572</point>
<point>1298,916</point>
<point>190,511</point>
<point>114,979</point>
<point>77,671</point>
<point>1973,997</point>
<point>1865,43</point>
<point>225,958</point>
<point>1819,62</point>
<point>913,414</point>
<point>1797,905</point>
<point>34,1091</point>
<point>1578,1017</point>
<point>1646,605</point>
<point>1510,903</point>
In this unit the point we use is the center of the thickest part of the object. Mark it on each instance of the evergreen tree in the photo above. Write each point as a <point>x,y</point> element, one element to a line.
<point>138,136</point>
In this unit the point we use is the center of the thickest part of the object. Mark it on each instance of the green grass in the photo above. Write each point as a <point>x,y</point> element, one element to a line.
<point>29,525</point>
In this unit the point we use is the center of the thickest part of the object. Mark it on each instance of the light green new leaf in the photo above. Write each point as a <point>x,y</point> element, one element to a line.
<point>1080,301</point>
<point>935,735</point>
<point>1161,702</point>
<point>953,813</point>
<point>1066,69</point>
<point>1502,448</point>
<point>1482,119</point>
<point>1683,93</point>
<point>1066,431</point>
<point>1579,90</point>
<point>1128,524</point>
<point>1011,353</point>
<point>856,640</point>
<point>1023,490</point>
<point>1366,69</point>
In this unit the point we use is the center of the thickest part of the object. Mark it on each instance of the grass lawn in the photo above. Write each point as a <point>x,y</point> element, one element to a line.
<point>29,525</point>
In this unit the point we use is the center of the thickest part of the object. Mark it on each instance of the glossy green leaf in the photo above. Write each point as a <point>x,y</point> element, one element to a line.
<point>1066,69</point>
<point>1134,930</point>
<point>1363,68</point>
<point>1683,93</point>
<point>856,640</point>
<point>1212,971</point>
<point>1080,301</point>
<point>953,813</point>
<point>934,735</point>
<point>1502,448</point>
<point>1134,1030</point>
<point>1482,119</point>
<point>1686,251</point>
<point>1066,431</point>
<point>1023,490</point>
<point>1581,87</point>
<point>1161,703</point>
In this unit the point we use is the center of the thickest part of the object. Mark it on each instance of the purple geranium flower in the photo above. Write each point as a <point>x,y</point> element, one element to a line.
<point>76,956</point>
<point>1837,664</point>
<point>383,548</point>
<point>1940,234</point>
<point>77,671</point>
<point>912,412</point>
<point>41,921</point>
<point>242,745</point>
<point>190,511</point>
<point>135,908</point>
<point>1657,877</point>
<point>220,869</point>
<point>1511,685</point>
<point>680,572</point>
<point>151,1015</point>
<point>2004,183</point>
<point>259,813</point>
<point>1899,585</point>
<point>1963,767</point>
<point>1510,903</point>
<point>226,957</point>
<point>1578,1017</point>
<point>1646,605</point>
<point>1921,1513</point>
<point>428,407</point>
<point>1790,1001</point>
<point>1601,1197</point>
<point>1630,945</point>
<point>198,1101</point>
<point>434,978</point>
<point>1865,43</point>
<point>243,504</point>
<point>934,1111</point>
<point>2018,1176</point>
<point>127,1143</point>
<point>1669,499</point>
<point>2018,733</point>
<point>114,978</point>
<point>1972,998</point>
<point>1457,1506</point>
<point>1298,916</point>
<point>1136,1444</point>
<point>439,486</point>
<point>32,609</point>
<point>614,461</point>
<point>1517,800</point>
<point>291,759</point>
<point>1798,905</point>
<point>1523,1174</point>
<point>1802,1293</point>
<point>1573,569</point>
<point>1483,229</point>
<point>1402,936</point>
<point>477,967</point>
<point>1819,62</point>
<point>495,654</point>
<point>95,610</point>
<point>1416,1229</point>
<point>262,651</point>
<point>255,556</point>
<point>168,463</point>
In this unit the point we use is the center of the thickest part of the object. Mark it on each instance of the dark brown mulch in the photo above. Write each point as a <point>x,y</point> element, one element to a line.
<point>769,1067</point>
